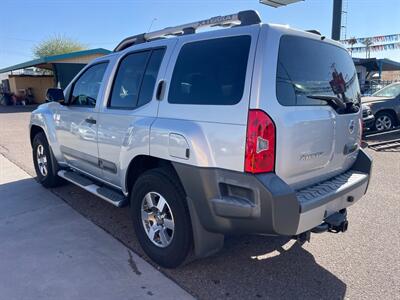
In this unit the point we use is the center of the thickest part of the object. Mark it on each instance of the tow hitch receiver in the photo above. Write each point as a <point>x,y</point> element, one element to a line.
<point>335,223</point>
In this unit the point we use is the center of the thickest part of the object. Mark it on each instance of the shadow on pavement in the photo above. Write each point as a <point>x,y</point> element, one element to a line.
<point>17,108</point>
<point>247,267</point>
<point>264,267</point>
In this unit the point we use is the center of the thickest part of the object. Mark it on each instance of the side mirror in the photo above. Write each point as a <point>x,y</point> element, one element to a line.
<point>55,95</point>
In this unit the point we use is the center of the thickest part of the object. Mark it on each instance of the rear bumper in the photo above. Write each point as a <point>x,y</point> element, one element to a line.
<point>229,202</point>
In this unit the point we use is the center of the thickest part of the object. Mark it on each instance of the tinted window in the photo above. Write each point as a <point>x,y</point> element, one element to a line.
<point>135,80</point>
<point>309,67</point>
<point>125,90</point>
<point>392,90</point>
<point>210,72</point>
<point>86,88</point>
<point>150,77</point>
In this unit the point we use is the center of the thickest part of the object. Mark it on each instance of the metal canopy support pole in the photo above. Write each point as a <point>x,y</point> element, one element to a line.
<point>380,68</point>
<point>56,82</point>
<point>336,19</point>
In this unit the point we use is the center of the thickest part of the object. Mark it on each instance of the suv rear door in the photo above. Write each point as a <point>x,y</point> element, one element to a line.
<point>130,107</point>
<point>314,139</point>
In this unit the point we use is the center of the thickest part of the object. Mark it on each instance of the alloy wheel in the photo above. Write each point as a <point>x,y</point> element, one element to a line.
<point>157,219</point>
<point>383,123</point>
<point>41,160</point>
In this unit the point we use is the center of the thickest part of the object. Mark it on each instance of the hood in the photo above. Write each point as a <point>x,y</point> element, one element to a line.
<point>370,99</point>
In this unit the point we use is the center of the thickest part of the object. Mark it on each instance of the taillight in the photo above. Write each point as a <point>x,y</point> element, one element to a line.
<point>260,143</point>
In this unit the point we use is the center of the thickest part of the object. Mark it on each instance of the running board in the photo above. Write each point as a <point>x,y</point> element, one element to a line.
<point>110,195</point>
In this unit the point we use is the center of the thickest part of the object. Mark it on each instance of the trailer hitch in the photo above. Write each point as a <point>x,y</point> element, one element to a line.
<point>335,223</point>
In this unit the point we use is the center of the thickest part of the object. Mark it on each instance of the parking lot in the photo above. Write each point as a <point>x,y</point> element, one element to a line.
<point>362,263</point>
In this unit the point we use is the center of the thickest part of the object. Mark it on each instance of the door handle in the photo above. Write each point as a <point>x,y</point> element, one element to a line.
<point>160,89</point>
<point>90,121</point>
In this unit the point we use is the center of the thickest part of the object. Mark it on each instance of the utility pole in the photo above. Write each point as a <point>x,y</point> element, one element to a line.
<point>336,19</point>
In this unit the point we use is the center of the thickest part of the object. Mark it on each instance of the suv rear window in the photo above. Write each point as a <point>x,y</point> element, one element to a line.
<point>310,67</point>
<point>210,72</point>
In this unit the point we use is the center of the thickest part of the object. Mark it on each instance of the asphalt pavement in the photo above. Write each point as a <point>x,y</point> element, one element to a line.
<point>49,251</point>
<point>363,263</point>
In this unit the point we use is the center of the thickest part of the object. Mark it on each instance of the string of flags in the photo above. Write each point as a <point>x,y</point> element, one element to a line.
<point>388,42</point>
<point>385,47</point>
<point>376,39</point>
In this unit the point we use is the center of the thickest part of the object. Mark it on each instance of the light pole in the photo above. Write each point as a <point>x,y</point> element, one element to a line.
<point>336,19</point>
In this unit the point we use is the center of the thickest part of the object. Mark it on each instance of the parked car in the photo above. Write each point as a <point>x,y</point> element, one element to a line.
<point>368,117</point>
<point>232,131</point>
<point>385,106</point>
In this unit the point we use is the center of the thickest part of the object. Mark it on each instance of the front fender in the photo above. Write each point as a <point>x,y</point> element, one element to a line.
<point>45,117</point>
<point>386,105</point>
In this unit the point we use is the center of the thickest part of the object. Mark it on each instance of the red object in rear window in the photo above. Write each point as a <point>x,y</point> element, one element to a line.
<point>260,143</point>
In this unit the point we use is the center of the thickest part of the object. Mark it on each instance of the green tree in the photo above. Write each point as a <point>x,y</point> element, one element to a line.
<point>57,45</point>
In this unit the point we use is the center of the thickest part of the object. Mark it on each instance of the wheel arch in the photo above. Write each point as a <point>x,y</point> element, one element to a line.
<point>142,163</point>
<point>389,111</point>
<point>34,130</point>
<point>205,242</point>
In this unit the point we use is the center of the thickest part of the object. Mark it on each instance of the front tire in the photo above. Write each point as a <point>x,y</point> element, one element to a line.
<point>161,218</point>
<point>42,159</point>
<point>384,121</point>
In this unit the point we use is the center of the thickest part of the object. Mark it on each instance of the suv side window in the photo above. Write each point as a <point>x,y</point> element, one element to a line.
<point>210,72</point>
<point>86,89</point>
<point>150,77</point>
<point>135,80</point>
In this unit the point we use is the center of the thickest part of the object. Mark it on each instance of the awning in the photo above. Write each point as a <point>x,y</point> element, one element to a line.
<point>47,61</point>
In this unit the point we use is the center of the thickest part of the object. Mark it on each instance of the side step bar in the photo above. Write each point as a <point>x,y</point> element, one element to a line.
<point>110,195</point>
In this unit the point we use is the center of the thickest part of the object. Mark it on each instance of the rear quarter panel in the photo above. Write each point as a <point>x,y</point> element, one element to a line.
<point>215,134</point>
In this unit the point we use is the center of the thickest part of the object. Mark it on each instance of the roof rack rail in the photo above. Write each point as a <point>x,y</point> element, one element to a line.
<point>246,17</point>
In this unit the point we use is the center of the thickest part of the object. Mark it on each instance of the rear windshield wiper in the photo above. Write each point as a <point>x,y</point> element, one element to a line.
<point>330,100</point>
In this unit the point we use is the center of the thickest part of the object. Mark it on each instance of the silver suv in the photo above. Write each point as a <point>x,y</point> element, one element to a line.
<point>253,128</point>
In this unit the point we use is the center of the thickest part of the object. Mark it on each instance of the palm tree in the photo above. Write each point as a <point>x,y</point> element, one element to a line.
<point>368,43</point>
<point>352,41</point>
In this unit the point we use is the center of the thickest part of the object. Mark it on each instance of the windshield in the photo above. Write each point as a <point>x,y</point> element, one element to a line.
<point>309,68</point>
<point>392,91</point>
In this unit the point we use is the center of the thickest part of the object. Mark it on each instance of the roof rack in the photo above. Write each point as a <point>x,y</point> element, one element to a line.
<point>246,17</point>
<point>315,31</point>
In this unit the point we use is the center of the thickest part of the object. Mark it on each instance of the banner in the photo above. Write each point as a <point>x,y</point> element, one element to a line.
<point>385,47</point>
<point>376,39</point>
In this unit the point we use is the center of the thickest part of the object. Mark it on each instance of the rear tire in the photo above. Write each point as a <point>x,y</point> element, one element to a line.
<point>161,218</point>
<point>43,161</point>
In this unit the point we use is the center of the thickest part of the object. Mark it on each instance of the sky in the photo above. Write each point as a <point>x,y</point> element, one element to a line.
<point>104,23</point>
